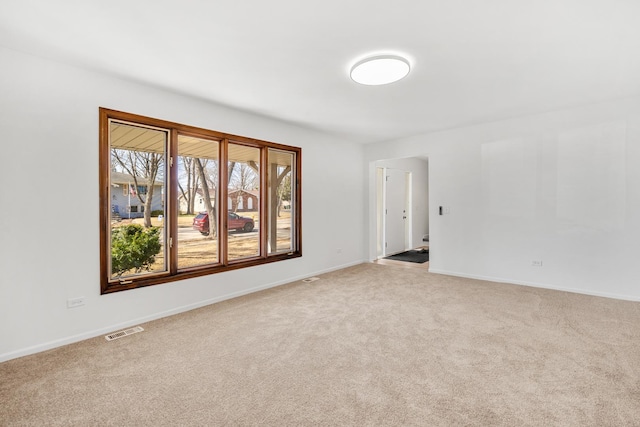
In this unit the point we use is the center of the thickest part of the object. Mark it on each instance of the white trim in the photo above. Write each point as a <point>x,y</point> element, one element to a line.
<point>123,325</point>
<point>536,285</point>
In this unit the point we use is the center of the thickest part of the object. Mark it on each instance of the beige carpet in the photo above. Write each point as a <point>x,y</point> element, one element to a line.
<point>369,345</point>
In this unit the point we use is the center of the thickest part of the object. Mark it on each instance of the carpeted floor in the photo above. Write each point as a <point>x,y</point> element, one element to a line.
<point>368,345</point>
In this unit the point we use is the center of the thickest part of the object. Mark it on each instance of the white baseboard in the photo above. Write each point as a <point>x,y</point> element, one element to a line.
<point>536,285</point>
<point>106,330</point>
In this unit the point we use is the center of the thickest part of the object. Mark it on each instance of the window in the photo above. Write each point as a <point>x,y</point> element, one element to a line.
<point>281,166</point>
<point>163,187</point>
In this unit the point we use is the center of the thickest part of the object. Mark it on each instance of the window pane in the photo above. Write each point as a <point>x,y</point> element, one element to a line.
<point>281,193</point>
<point>244,202</point>
<point>136,193</point>
<point>198,161</point>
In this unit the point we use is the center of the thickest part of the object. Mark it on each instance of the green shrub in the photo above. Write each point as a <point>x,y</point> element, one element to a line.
<point>133,247</point>
<point>157,212</point>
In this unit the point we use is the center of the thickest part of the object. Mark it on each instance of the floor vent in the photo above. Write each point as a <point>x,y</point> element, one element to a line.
<point>120,334</point>
<point>310,279</point>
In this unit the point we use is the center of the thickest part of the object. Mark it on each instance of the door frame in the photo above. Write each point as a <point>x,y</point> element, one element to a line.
<point>382,207</point>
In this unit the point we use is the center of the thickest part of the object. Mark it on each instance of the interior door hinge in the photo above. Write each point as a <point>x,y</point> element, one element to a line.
<point>170,242</point>
<point>170,162</point>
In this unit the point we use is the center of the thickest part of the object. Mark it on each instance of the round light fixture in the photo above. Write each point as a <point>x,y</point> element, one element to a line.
<point>380,70</point>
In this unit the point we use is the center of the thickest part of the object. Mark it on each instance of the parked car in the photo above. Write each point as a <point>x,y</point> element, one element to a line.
<point>234,221</point>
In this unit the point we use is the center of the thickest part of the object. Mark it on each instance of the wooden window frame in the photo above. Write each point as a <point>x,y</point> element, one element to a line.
<point>109,285</point>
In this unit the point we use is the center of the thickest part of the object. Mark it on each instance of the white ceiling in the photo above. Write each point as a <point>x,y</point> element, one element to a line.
<point>473,61</point>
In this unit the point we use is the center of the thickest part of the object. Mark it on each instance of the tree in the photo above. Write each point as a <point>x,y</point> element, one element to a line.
<point>210,167</point>
<point>188,183</point>
<point>211,209</point>
<point>284,187</point>
<point>133,248</point>
<point>277,175</point>
<point>144,168</point>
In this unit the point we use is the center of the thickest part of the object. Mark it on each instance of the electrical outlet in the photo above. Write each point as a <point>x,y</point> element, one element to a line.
<point>536,263</point>
<point>75,302</point>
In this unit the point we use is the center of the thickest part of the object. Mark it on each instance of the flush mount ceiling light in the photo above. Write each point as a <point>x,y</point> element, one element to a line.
<point>380,70</point>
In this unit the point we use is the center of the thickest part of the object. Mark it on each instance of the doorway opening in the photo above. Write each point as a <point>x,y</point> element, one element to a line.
<point>394,211</point>
<point>400,210</point>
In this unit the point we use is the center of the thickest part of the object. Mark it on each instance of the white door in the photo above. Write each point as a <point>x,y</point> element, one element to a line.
<point>395,189</point>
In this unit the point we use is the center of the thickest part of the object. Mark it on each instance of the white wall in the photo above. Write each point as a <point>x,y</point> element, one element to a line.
<point>49,131</point>
<point>419,169</point>
<point>562,188</point>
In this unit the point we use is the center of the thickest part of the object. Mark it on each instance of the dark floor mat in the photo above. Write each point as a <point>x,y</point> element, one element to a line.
<point>417,256</point>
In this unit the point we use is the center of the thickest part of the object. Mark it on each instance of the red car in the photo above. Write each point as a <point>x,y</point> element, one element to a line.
<point>235,222</point>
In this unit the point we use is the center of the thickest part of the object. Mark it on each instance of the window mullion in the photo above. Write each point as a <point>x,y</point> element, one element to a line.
<point>224,197</point>
<point>172,201</point>
<point>264,202</point>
